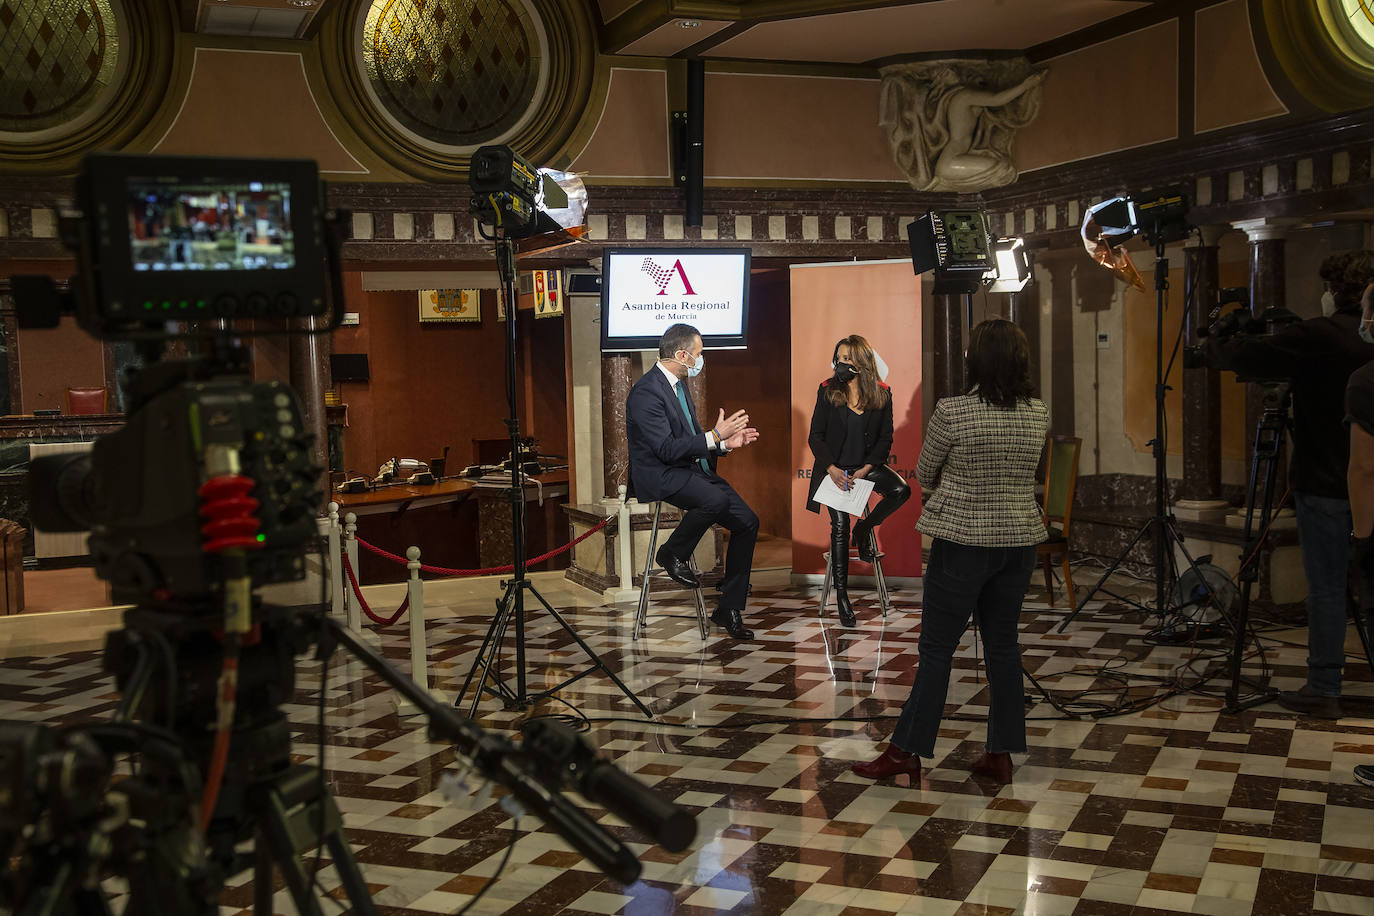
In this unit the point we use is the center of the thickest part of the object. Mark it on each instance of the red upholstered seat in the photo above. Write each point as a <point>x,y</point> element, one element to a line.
<point>85,400</point>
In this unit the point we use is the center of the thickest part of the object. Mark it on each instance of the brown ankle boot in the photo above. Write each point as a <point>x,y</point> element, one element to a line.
<point>993,766</point>
<point>891,762</point>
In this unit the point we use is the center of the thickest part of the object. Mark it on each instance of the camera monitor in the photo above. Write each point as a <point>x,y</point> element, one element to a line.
<point>184,238</point>
<point>644,290</point>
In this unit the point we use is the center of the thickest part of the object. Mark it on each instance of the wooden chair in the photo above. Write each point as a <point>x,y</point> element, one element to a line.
<point>85,401</point>
<point>1061,475</point>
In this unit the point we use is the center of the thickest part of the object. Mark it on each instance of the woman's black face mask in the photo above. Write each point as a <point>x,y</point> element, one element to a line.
<point>844,372</point>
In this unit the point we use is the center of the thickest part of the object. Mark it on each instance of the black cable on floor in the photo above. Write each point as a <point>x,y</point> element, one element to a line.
<point>510,847</point>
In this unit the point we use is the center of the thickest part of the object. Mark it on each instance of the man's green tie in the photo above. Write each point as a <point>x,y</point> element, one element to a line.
<point>681,390</point>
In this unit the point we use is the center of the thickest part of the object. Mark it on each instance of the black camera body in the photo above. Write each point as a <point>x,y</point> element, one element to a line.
<point>139,491</point>
<point>1237,324</point>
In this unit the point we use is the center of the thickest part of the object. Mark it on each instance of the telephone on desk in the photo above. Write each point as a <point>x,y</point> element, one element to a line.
<point>532,463</point>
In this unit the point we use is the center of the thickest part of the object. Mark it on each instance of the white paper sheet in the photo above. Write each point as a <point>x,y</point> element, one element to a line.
<point>853,501</point>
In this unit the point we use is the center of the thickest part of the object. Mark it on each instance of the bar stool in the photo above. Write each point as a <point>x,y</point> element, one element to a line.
<point>642,613</point>
<point>884,600</point>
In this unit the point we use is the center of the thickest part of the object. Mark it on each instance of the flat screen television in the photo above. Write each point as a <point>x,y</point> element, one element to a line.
<point>644,290</point>
<point>348,367</point>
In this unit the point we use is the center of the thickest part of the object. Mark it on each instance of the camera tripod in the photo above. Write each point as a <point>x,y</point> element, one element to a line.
<point>510,608</point>
<point>280,806</point>
<point>1269,438</point>
<point>1162,524</point>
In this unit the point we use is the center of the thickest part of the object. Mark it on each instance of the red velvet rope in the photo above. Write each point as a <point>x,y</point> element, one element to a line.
<point>353,580</point>
<point>490,570</point>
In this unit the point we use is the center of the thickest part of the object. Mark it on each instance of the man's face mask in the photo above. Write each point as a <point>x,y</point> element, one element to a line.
<point>695,369</point>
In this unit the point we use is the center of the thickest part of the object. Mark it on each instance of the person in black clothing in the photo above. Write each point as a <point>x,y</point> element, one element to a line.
<point>851,436</point>
<point>1359,414</point>
<point>1318,355</point>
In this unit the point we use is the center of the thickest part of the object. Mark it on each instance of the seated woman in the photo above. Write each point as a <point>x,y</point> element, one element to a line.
<point>980,455</point>
<point>851,436</point>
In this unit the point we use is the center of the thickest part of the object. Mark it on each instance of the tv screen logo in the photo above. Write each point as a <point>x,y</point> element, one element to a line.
<point>664,275</point>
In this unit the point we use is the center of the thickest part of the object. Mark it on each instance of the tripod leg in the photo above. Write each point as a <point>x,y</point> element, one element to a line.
<point>294,815</point>
<point>1121,558</point>
<point>262,875</point>
<point>493,656</point>
<point>596,659</point>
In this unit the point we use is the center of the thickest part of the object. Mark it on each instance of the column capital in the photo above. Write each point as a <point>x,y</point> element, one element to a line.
<point>1212,233</point>
<point>1266,228</point>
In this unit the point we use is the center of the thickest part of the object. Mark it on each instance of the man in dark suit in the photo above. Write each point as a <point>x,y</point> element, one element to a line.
<point>673,459</point>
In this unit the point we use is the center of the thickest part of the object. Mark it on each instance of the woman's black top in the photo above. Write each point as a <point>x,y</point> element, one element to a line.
<point>830,430</point>
<point>852,452</point>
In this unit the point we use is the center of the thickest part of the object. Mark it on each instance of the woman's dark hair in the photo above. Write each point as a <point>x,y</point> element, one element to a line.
<point>1348,273</point>
<point>998,363</point>
<point>872,395</point>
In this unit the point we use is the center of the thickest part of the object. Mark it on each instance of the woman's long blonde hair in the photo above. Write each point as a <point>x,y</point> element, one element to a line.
<point>872,395</point>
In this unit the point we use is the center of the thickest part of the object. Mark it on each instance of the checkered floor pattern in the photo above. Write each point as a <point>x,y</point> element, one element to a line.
<point>1174,808</point>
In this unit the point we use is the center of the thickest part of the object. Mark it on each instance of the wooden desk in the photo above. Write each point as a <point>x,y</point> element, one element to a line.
<point>455,523</point>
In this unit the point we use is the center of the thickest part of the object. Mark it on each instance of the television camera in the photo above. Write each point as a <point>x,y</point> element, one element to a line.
<point>208,492</point>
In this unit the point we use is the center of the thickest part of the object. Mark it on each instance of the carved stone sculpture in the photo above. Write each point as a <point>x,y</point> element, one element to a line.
<point>951,122</point>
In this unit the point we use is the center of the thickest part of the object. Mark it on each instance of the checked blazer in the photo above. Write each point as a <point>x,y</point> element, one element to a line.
<point>981,460</point>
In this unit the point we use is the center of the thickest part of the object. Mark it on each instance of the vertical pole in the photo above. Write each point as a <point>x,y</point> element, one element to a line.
<point>335,571</point>
<point>1161,467</point>
<point>415,591</point>
<point>624,543</point>
<point>355,612</point>
<point>696,136</point>
<point>505,257</point>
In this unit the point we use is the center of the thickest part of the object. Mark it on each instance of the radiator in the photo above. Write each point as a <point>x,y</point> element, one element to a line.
<point>47,544</point>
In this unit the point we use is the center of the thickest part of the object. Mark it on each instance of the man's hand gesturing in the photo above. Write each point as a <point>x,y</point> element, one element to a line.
<point>727,427</point>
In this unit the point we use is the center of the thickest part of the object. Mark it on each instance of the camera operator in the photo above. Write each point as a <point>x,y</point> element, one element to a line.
<point>1359,413</point>
<point>1318,356</point>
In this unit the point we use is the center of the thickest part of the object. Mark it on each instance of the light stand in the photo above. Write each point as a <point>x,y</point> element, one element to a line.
<point>510,608</point>
<point>1162,524</point>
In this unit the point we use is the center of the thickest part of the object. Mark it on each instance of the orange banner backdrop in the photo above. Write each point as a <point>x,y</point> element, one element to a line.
<point>882,301</point>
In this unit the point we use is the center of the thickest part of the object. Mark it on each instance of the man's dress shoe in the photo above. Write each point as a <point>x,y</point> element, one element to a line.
<point>677,570</point>
<point>729,619</point>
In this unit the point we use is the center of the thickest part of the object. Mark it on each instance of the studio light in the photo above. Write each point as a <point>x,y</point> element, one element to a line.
<point>956,245</point>
<point>1013,270</point>
<point>513,196</point>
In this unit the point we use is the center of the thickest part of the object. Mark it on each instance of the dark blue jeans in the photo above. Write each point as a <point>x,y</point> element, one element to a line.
<point>1324,535</point>
<point>987,583</point>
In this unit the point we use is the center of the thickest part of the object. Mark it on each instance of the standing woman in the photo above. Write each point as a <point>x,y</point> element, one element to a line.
<point>851,436</point>
<point>980,456</point>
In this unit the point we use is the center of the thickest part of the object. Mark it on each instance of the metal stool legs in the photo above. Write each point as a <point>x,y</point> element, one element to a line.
<point>884,601</point>
<point>642,612</point>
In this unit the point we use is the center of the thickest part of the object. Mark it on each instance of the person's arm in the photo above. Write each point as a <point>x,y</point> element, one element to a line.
<point>1283,355</point>
<point>1359,478</point>
<point>935,449</point>
<point>649,414</point>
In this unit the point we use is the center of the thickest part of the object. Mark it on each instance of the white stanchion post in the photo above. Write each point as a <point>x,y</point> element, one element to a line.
<point>625,589</point>
<point>419,649</point>
<point>355,610</point>
<point>335,561</point>
<point>625,542</point>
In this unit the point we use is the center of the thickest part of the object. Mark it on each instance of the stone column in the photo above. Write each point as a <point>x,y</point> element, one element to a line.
<point>1200,490</point>
<point>1268,279</point>
<point>1060,370</point>
<point>615,388</point>
<point>948,351</point>
<point>309,355</point>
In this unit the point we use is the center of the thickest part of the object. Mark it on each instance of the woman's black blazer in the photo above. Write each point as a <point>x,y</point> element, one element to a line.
<point>827,437</point>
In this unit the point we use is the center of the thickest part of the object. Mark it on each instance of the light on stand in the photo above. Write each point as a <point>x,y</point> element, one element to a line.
<point>1013,270</point>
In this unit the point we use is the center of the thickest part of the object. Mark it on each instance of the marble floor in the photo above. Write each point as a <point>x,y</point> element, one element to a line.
<point>1173,807</point>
